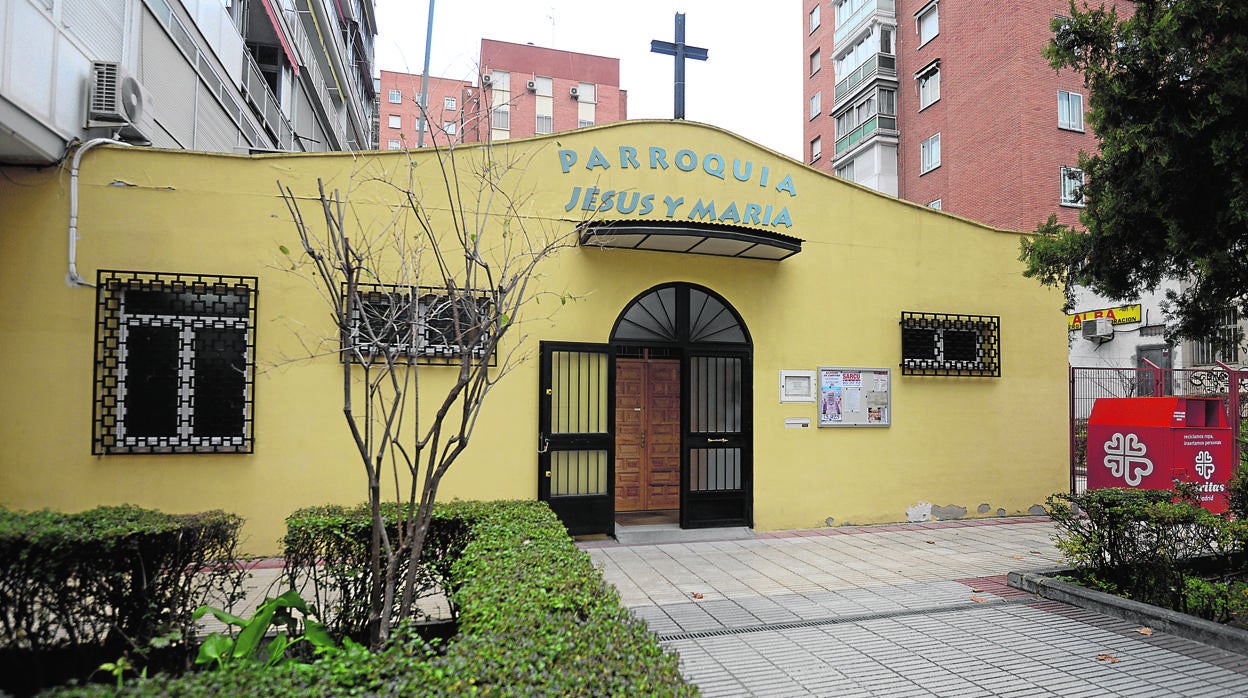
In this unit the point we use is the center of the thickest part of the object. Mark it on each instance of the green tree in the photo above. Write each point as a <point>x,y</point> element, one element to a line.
<point>1167,194</point>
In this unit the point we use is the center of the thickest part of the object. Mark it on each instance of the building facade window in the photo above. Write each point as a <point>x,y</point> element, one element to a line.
<point>875,42</point>
<point>941,344</point>
<point>175,365</point>
<point>544,104</point>
<point>814,62</point>
<point>421,325</point>
<point>927,23</point>
<point>814,18</point>
<point>394,121</point>
<point>394,145</point>
<point>500,104</point>
<point>396,96</point>
<point>1072,186</point>
<point>448,103</point>
<point>1222,346</point>
<point>929,154</point>
<point>937,204</point>
<point>880,102</point>
<point>929,86</point>
<point>449,127</point>
<point>816,104</point>
<point>847,10</point>
<point>816,148</point>
<point>587,104</point>
<point>846,171</point>
<point>1069,110</point>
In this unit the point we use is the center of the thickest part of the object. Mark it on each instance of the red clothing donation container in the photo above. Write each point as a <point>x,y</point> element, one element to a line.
<point>1148,442</point>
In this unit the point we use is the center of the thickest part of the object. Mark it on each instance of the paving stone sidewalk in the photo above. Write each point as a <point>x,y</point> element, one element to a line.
<point>908,610</point>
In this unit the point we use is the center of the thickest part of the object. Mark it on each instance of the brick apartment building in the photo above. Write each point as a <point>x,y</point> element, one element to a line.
<point>947,103</point>
<point>523,90</point>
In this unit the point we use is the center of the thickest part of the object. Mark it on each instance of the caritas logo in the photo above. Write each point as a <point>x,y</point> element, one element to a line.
<point>1124,456</point>
<point>1204,464</point>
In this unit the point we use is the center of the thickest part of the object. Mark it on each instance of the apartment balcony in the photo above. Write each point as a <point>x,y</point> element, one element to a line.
<point>864,131</point>
<point>845,28</point>
<point>881,64</point>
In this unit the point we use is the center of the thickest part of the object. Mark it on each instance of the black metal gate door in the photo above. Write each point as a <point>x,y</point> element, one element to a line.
<point>576,465</point>
<point>718,462</point>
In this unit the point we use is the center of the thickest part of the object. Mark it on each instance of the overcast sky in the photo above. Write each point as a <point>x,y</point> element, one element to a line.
<point>752,83</point>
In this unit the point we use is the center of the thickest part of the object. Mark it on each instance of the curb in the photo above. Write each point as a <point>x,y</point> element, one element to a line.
<point>1162,619</point>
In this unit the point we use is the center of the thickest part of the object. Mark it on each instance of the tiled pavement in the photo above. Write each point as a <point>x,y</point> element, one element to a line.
<point>913,610</point>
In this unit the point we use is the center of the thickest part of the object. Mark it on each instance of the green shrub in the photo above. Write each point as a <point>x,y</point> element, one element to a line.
<point>536,618</point>
<point>110,573</point>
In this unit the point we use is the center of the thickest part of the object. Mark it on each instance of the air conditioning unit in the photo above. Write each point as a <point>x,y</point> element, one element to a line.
<point>487,79</point>
<point>1099,329</point>
<point>575,92</point>
<point>532,86</point>
<point>118,101</point>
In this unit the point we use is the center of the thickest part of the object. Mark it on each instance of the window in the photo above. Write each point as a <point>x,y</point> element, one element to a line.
<point>1072,186</point>
<point>847,9</point>
<point>935,204</point>
<point>866,50</point>
<point>1222,346</point>
<point>934,344</point>
<point>927,23</point>
<point>394,145</point>
<point>1069,110</point>
<point>449,127</point>
<point>174,363</point>
<point>500,105</point>
<point>544,104</point>
<point>929,158</point>
<point>816,148</point>
<point>396,96</point>
<point>846,171</point>
<point>420,124</point>
<point>448,103</point>
<point>387,325</point>
<point>814,17</point>
<point>879,102</point>
<point>816,105</point>
<point>586,114</point>
<point>814,62</point>
<point>395,121</point>
<point>929,86</point>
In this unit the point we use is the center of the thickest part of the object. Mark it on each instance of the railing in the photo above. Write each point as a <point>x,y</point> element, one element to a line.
<point>845,27</point>
<point>887,123</point>
<point>884,64</point>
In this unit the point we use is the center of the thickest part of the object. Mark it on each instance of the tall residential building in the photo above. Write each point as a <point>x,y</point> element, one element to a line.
<point>533,90</point>
<point>232,76</point>
<point>453,106</point>
<point>947,103</point>
<point>951,104</point>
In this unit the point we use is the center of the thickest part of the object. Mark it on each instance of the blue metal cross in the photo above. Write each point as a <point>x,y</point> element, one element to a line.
<point>681,51</point>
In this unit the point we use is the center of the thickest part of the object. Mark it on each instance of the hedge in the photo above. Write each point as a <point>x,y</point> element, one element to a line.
<point>535,618</point>
<point>122,571</point>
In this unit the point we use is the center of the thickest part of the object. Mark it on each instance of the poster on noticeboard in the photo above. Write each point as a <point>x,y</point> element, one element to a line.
<point>855,397</point>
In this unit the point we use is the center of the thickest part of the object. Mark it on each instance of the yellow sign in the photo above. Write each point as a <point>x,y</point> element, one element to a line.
<point>1118,316</point>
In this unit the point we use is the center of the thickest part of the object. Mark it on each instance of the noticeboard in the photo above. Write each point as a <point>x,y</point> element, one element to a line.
<point>855,397</point>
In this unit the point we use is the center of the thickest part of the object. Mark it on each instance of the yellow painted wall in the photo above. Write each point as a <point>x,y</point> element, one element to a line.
<point>999,442</point>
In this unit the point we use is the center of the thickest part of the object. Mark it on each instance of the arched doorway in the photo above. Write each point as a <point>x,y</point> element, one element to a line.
<point>658,419</point>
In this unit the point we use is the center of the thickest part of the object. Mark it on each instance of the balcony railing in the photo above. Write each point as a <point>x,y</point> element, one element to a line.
<point>846,27</point>
<point>878,122</point>
<point>883,64</point>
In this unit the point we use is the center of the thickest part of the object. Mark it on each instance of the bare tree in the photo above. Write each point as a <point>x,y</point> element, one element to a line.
<point>443,282</point>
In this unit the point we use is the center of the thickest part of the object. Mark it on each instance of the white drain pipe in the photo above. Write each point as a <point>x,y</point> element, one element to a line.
<point>72,279</point>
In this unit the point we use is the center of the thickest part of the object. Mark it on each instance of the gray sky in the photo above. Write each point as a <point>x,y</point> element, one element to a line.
<point>751,85</point>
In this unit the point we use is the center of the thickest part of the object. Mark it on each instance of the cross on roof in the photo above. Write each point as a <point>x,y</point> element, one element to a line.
<point>681,51</point>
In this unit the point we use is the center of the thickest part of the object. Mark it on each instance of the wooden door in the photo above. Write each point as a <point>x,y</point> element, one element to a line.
<point>647,434</point>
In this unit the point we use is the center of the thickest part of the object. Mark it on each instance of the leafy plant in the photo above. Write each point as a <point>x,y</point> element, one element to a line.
<point>227,652</point>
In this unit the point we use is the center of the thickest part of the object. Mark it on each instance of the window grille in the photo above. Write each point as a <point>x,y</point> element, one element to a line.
<point>1222,346</point>
<point>385,324</point>
<point>939,344</point>
<point>174,363</point>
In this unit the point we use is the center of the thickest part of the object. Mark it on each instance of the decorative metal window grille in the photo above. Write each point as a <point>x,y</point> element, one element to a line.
<point>1222,346</point>
<point>174,363</point>
<point>939,344</point>
<point>386,324</point>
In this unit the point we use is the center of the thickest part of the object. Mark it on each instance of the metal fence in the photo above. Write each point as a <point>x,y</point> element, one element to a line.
<point>1089,384</point>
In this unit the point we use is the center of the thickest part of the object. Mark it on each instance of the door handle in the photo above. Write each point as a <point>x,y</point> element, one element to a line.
<point>543,445</point>
<point>717,441</point>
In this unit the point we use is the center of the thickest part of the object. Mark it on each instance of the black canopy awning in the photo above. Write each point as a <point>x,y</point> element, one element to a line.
<point>689,237</point>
